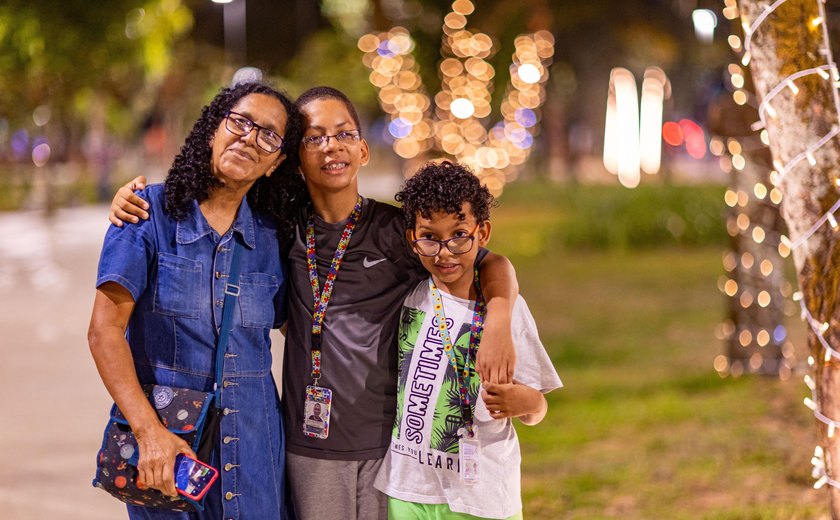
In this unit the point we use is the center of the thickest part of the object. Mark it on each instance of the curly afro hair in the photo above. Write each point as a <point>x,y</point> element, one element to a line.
<point>444,187</point>
<point>190,177</point>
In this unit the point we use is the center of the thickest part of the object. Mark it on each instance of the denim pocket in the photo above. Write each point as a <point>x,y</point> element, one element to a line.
<point>178,288</point>
<point>256,299</point>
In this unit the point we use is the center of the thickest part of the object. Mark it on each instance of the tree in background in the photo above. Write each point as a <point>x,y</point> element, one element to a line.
<point>755,283</point>
<point>787,47</point>
<point>591,38</point>
<point>75,73</point>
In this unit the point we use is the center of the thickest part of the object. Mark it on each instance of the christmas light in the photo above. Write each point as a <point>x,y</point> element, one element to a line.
<point>737,160</point>
<point>453,121</point>
<point>783,170</point>
<point>819,330</point>
<point>817,225</point>
<point>832,221</point>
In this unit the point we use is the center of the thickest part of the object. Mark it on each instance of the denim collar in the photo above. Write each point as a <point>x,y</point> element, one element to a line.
<point>195,226</point>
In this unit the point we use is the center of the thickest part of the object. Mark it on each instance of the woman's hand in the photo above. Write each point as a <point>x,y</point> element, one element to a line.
<point>158,448</point>
<point>128,207</point>
<point>514,400</point>
<point>112,308</point>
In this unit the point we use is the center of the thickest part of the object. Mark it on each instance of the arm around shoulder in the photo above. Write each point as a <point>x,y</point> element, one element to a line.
<point>127,206</point>
<point>498,280</point>
<point>496,355</point>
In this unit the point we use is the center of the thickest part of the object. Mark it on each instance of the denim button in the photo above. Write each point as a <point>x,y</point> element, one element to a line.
<point>228,439</point>
<point>228,466</point>
<point>220,303</point>
<point>218,274</point>
<point>229,495</point>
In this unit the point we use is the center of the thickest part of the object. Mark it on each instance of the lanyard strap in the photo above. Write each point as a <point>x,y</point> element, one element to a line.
<point>322,299</point>
<point>463,374</point>
<point>231,293</point>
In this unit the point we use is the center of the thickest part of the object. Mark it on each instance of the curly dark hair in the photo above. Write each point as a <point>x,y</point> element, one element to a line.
<point>324,92</point>
<point>190,177</point>
<point>444,187</point>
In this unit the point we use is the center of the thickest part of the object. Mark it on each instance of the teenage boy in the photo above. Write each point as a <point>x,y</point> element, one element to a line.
<point>454,452</point>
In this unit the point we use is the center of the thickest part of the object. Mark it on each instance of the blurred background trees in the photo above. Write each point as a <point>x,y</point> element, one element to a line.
<point>96,84</point>
<point>94,93</point>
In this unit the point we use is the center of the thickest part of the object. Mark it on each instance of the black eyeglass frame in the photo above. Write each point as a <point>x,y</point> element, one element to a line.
<point>261,130</point>
<point>316,142</point>
<point>441,243</point>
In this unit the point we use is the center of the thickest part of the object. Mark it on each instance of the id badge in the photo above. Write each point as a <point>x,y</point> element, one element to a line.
<point>316,412</point>
<point>468,456</point>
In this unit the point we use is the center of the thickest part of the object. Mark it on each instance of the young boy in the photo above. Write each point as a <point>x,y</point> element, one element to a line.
<point>454,453</point>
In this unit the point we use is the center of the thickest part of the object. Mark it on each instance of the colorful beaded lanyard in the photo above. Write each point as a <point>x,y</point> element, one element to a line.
<point>322,299</point>
<point>475,337</point>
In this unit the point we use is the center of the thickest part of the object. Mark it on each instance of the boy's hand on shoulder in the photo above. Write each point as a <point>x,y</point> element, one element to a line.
<point>128,207</point>
<point>511,400</point>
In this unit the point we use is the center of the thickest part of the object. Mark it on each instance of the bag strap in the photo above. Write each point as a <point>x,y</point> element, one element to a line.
<point>231,293</point>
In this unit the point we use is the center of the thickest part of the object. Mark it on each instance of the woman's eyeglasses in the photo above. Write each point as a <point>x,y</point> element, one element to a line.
<point>240,125</point>
<point>316,142</point>
<point>455,245</point>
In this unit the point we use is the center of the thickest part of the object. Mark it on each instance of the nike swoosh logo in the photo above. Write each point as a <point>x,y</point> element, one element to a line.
<point>368,263</point>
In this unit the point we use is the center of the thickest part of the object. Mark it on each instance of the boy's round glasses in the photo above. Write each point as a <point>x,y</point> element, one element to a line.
<point>316,142</point>
<point>240,125</point>
<point>455,245</point>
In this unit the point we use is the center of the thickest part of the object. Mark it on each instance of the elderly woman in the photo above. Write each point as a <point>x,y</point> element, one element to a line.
<point>163,282</point>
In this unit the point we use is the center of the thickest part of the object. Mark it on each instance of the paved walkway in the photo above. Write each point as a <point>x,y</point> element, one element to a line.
<point>53,402</point>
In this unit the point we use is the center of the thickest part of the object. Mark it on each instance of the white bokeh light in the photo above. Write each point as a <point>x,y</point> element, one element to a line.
<point>462,108</point>
<point>528,73</point>
<point>705,22</point>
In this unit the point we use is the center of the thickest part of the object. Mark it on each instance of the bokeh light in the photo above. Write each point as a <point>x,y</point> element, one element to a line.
<point>454,121</point>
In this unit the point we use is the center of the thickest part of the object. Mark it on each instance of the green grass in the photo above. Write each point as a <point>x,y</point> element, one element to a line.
<point>645,428</point>
<point>599,217</point>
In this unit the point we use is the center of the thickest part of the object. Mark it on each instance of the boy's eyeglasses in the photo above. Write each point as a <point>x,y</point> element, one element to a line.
<point>240,125</point>
<point>455,245</point>
<point>316,142</point>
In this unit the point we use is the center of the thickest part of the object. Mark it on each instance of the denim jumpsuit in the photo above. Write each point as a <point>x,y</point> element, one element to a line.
<point>176,272</point>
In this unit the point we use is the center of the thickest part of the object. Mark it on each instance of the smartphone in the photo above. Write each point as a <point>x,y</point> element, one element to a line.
<point>193,478</point>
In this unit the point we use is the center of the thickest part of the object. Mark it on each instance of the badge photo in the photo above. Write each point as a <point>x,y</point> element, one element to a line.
<point>316,412</point>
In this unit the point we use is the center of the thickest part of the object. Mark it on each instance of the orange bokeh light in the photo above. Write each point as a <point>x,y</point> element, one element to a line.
<point>672,133</point>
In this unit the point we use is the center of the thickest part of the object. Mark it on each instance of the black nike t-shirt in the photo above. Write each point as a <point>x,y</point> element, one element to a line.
<point>358,349</point>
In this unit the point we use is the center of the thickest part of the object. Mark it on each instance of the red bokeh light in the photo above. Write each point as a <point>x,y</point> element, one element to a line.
<point>672,133</point>
<point>695,138</point>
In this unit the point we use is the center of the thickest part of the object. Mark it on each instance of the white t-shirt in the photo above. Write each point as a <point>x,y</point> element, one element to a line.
<point>422,464</point>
